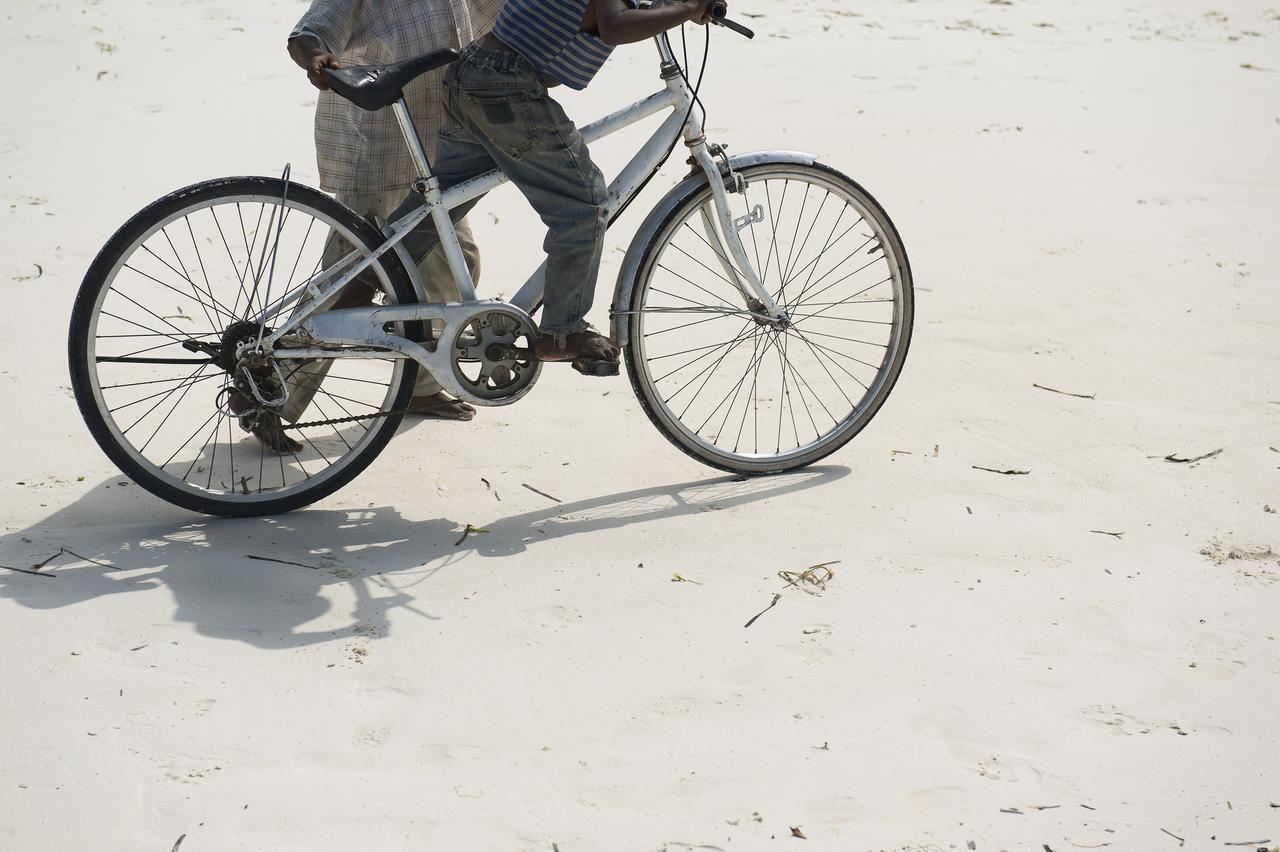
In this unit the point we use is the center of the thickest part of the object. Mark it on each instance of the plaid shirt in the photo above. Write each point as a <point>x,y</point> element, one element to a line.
<point>360,151</point>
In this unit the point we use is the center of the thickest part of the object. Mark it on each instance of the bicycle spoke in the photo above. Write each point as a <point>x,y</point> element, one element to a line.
<point>804,202</point>
<point>158,393</point>
<point>742,333</point>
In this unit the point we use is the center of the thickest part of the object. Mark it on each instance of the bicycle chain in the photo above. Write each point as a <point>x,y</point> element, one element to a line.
<point>355,418</point>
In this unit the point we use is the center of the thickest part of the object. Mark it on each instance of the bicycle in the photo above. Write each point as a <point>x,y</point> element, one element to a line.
<point>735,326</point>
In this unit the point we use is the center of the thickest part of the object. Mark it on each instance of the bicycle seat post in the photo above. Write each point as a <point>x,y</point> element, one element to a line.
<point>428,186</point>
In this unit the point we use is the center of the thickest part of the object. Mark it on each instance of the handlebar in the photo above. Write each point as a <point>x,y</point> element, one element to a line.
<point>719,10</point>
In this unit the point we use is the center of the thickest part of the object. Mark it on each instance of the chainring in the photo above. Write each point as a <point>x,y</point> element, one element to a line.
<point>492,355</point>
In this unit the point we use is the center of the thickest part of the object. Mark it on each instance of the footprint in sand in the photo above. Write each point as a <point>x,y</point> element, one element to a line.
<point>552,617</point>
<point>370,736</point>
<point>997,768</point>
<point>1116,721</point>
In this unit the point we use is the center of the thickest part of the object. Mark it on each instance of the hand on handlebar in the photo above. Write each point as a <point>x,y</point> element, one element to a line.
<point>315,67</point>
<point>700,13</point>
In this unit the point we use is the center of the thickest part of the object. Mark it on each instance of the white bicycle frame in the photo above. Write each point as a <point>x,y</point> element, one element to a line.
<point>365,328</point>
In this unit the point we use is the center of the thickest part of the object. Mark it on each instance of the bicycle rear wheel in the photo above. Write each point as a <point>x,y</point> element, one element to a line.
<point>736,392</point>
<point>160,313</point>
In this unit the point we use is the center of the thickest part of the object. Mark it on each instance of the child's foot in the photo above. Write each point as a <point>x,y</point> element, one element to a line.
<point>584,345</point>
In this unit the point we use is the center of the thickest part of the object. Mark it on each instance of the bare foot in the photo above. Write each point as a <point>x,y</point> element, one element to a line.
<point>442,406</point>
<point>267,428</point>
<point>589,345</point>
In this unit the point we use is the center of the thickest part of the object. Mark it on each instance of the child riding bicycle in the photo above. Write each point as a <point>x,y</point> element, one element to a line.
<point>498,113</point>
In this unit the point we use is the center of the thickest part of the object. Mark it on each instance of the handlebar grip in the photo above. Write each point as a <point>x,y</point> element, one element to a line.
<point>718,12</point>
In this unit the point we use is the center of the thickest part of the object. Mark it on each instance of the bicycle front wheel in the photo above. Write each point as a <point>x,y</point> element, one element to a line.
<point>747,396</point>
<point>164,308</point>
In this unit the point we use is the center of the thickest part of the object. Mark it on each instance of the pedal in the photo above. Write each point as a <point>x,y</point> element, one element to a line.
<point>590,367</point>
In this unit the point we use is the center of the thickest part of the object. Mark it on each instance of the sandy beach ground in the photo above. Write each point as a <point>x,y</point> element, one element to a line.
<point>1089,192</point>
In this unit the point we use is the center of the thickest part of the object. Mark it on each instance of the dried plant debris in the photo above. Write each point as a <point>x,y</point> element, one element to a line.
<point>1104,532</point>
<point>1174,458</point>
<point>1002,472</point>
<point>281,561</point>
<point>36,571</point>
<point>813,579</point>
<point>30,571</point>
<point>677,577</point>
<point>468,532</point>
<point>27,277</point>
<point>776,597</point>
<point>1221,553</point>
<point>543,493</point>
<point>796,832</point>
<point>1066,393</point>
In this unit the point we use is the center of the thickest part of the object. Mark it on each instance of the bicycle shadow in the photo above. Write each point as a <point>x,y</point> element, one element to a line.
<point>379,554</point>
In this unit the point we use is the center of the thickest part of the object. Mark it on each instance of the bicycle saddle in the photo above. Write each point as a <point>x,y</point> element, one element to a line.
<point>373,87</point>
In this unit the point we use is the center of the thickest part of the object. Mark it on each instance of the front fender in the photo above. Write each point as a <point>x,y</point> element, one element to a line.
<point>653,223</point>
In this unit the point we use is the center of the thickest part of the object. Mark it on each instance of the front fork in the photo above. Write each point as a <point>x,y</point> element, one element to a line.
<point>739,270</point>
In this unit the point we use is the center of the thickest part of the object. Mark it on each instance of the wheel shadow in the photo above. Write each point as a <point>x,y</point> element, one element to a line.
<point>274,600</point>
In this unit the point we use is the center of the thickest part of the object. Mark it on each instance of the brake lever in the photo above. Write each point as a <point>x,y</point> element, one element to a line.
<point>718,13</point>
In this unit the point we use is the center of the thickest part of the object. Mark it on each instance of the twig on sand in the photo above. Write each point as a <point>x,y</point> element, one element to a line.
<point>543,493</point>
<point>1112,534</point>
<point>1181,840</point>
<point>1066,393</point>
<point>62,551</point>
<point>776,597</point>
<point>71,552</point>
<point>467,532</point>
<point>815,575</point>
<point>28,571</point>
<point>281,561</point>
<point>1012,811</point>
<point>45,562</point>
<point>1044,807</point>
<point>1088,845</point>
<point>1250,843</point>
<point>1002,472</point>
<point>178,843</point>
<point>1174,458</point>
<point>677,577</point>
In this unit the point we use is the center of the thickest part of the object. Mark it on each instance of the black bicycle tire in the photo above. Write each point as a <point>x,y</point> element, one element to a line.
<point>680,209</point>
<point>96,278</point>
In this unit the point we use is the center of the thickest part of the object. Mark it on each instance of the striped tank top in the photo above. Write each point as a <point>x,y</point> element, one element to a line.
<point>548,34</point>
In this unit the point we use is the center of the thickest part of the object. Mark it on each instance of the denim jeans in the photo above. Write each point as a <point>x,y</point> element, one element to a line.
<point>498,115</point>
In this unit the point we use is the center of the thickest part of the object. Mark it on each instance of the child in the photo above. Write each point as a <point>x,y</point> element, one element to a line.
<point>498,114</point>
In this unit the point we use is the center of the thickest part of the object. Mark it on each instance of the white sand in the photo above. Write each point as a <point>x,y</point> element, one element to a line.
<point>1089,192</point>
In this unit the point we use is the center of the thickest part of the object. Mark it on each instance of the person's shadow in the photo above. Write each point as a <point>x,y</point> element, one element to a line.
<point>260,580</point>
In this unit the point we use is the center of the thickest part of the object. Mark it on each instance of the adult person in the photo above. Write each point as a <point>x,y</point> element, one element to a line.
<point>361,155</point>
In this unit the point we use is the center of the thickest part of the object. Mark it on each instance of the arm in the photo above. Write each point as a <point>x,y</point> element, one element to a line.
<point>324,31</point>
<point>618,23</point>
<point>310,55</point>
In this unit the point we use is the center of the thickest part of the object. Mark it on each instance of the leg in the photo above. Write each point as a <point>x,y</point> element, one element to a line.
<point>527,134</point>
<point>305,382</point>
<point>438,281</point>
